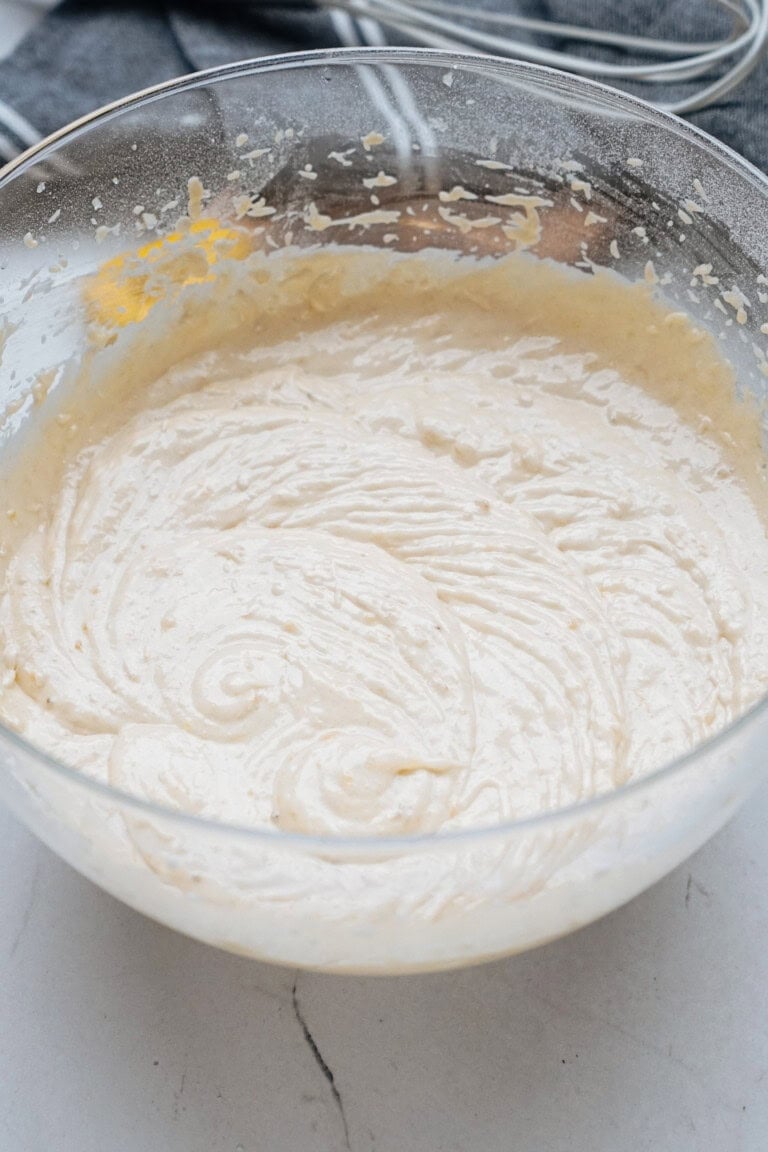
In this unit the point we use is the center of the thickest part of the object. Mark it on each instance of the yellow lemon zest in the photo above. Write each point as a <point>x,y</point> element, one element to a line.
<point>125,289</point>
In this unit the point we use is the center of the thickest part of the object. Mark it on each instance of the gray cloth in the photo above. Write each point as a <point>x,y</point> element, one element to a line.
<point>86,54</point>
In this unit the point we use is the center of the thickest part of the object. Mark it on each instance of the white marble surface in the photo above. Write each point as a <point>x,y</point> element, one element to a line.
<point>647,1031</point>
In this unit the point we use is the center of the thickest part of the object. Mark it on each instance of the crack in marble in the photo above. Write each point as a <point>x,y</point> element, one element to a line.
<point>177,1105</point>
<point>696,886</point>
<point>27,914</point>
<point>320,1061</point>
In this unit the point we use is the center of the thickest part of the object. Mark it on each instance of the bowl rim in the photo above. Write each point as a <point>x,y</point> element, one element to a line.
<point>384,845</point>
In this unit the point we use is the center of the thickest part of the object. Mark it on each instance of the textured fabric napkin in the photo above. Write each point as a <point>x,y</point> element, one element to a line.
<point>85,53</point>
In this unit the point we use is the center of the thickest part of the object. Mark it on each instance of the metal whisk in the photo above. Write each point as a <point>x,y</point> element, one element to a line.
<point>443,24</point>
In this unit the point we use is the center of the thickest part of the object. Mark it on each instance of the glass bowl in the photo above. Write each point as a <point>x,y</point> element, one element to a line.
<point>299,134</point>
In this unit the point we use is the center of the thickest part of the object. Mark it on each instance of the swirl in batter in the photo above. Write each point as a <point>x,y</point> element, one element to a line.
<point>385,570</point>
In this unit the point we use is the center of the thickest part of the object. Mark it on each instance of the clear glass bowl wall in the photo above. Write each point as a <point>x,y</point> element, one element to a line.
<point>665,193</point>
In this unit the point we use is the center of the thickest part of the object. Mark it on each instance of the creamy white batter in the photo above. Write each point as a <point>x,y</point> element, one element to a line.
<point>423,545</point>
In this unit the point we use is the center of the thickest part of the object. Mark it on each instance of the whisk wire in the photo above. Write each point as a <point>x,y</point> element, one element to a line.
<point>448,25</point>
